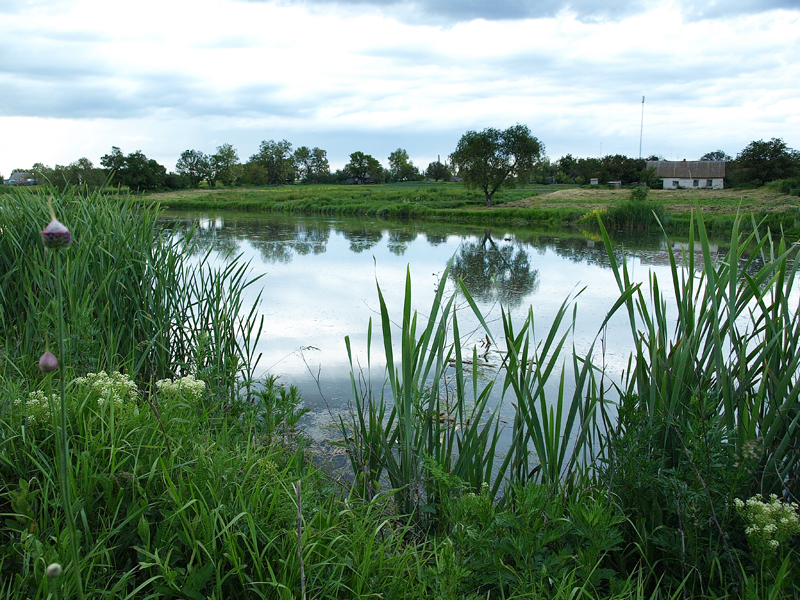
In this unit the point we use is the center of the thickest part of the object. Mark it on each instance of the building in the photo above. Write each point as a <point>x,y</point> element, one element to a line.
<point>21,178</point>
<point>692,174</point>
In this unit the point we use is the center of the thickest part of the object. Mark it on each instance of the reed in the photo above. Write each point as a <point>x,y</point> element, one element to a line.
<point>134,296</point>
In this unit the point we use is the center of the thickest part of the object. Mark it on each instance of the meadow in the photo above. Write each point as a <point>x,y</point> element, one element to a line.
<point>151,463</point>
<point>538,205</point>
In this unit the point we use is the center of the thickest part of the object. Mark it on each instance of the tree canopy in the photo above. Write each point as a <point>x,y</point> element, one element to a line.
<point>437,170</point>
<point>363,167</point>
<point>400,166</point>
<point>761,162</point>
<point>492,158</point>
<point>716,155</point>
<point>135,170</point>
<point>277,161</point>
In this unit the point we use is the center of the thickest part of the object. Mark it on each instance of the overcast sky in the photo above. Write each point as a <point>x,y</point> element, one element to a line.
<point>80,76</point>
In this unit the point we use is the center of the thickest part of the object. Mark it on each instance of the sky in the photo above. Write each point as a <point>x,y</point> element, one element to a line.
<point>80,76</point>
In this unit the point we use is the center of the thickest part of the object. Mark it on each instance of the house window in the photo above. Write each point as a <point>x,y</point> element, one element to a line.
<point>676,184</point>
<point>696,183</point>
<point>709,183</point>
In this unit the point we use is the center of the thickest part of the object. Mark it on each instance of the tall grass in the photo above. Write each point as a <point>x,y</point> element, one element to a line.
<point>176,498</point>
<point>134,297</point>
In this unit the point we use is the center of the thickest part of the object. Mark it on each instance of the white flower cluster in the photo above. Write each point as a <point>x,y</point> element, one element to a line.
<point>769,523</point>
<point>187,388</point>
<point>37,407</point>
<point>116,387</point>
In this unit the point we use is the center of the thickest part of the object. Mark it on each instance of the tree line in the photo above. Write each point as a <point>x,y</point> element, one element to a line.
<point>486,160</point>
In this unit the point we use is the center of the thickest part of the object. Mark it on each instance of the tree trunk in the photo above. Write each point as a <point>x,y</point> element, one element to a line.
<point>489,198</point>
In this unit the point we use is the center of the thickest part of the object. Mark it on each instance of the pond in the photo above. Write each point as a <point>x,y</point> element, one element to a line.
<point>320,278</point>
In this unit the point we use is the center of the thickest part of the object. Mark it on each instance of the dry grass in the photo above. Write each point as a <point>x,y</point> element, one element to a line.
<point>676,201</point>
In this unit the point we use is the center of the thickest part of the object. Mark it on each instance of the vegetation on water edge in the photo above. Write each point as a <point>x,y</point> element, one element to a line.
<point>189,479</point>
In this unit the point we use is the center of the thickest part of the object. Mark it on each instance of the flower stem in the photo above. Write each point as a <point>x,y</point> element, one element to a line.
<point>63,453</point>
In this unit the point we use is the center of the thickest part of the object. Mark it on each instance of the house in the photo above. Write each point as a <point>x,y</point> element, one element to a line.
<point>695,174</point>
<point>21,178</point>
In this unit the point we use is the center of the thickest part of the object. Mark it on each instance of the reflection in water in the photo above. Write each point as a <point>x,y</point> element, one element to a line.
<point>494,273</point>
<point>321,273</point>
<point>362,239</point>
<point>399,240</point>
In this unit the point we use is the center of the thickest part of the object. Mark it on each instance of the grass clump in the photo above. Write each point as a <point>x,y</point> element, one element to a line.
<point>635,213</point>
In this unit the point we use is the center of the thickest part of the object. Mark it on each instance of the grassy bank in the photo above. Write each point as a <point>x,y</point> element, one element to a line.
<point>530,205</point>
<point>188,479</point>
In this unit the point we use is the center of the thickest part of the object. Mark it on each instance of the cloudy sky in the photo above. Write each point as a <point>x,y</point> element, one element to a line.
<point>161,76</point>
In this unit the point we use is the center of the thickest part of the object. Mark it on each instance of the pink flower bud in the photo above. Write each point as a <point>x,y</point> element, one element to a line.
<point>55,235</point>
<point>48,362</point>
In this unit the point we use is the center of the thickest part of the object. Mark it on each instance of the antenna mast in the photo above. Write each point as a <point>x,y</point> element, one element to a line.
<point>641,130</point>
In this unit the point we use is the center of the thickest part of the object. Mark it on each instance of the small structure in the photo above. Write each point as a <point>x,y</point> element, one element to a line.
<point>593,181</point>
<point>614,184</point>
<point>692,174</point>
<point>21,178</point>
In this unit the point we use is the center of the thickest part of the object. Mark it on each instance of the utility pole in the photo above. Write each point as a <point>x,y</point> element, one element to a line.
<point>641,130</point>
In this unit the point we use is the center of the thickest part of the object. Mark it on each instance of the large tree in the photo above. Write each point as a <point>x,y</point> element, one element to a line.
<point>492,158</point>
<point>363,166</point>
<point>302,163</point>
<point>761,162</point>
<point>192,166</point>
<point>226,164</point>
<point>135,170</point>
<point>276,160</point>
<point>437,170</point>
<point>400,166</point>
<point>320,168</point>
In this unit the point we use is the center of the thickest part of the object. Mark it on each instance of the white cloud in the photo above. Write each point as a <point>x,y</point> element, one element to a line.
<point>165,76</point>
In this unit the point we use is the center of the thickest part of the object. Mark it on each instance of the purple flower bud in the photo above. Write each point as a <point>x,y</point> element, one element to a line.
<point>55,235</point>
<point>48,362</point>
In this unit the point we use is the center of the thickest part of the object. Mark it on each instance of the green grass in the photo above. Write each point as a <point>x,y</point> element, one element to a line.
<point>182,490</point>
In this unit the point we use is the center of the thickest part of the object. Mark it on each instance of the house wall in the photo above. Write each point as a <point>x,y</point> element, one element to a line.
<point>669,183</point>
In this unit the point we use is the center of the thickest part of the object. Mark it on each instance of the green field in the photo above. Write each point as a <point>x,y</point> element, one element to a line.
<point>538,205</point>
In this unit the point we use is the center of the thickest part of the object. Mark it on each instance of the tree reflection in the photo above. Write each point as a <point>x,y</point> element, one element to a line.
<point>362,239</point>
<point>398,241</point>
<point>206,234</point>
<point>279,242</point>
<point>495,273</point>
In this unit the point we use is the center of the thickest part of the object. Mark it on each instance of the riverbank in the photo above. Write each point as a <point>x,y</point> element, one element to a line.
<point>536,205</point>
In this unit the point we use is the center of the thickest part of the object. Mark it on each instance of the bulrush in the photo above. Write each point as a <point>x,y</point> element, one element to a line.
<point>55,235</point>
<point>48,362</point>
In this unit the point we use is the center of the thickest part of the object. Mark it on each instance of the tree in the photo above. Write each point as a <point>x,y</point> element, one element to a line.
<point>302,163</point>
<point>320,169</point>
<point>363,166</point>
<point>276,160</point>
<point>492,158</point>
<point>400,167</point>
<point>715,155</point>
<point>437,170</point>
<point>226,164</point>
<point>192,166</point>
<point>762,161</point>
<point>135,170</point>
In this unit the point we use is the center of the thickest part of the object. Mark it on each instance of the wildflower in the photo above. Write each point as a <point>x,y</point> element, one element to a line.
<point>48,362</point>
<point>769,524</point>
<point>55,235</point>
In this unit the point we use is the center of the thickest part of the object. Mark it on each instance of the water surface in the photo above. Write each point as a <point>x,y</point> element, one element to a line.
<point>320,278</point>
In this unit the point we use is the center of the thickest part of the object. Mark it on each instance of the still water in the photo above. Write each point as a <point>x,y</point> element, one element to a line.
<point>321,275</point>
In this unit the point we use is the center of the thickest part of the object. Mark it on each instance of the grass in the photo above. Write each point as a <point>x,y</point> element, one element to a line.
<point>192,480</point>
<point>536,205</point>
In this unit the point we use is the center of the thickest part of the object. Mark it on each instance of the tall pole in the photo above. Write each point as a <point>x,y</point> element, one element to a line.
<point>641,130</point>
